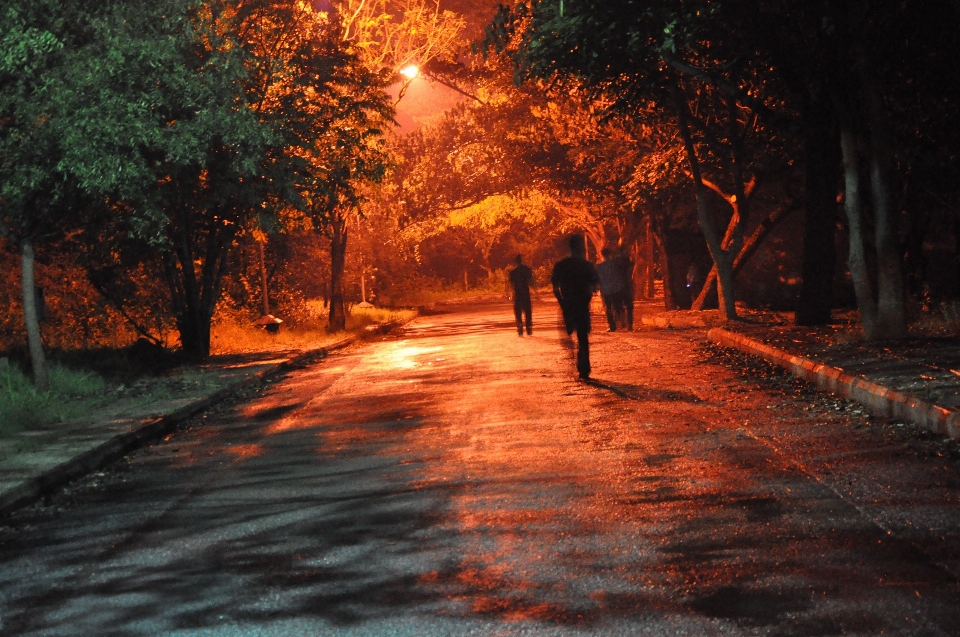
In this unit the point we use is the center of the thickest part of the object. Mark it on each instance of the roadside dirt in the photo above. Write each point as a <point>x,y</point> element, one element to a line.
<point>926,365</point>
<point>922,442</point>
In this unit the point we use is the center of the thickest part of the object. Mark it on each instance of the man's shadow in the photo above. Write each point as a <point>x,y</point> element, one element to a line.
<point>640,393</point>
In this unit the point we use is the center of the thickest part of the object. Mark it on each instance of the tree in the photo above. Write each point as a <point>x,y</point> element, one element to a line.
<point>30,188</point>
<point>198,157</point>
<point>393,34</point>
<point>385,36</point>
<point>865,130</point>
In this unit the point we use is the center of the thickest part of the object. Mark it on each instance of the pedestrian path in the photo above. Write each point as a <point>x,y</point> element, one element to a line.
<point>36,462</point>
<point>459,479</point>
<point>909,381</point>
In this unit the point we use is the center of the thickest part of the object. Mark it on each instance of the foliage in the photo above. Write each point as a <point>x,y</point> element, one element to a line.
<point>392,34</point>
<point>799,67</point>
<point>179,125</point>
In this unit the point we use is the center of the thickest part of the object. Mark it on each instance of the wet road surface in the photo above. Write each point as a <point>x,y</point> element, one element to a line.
<point>456,479</point>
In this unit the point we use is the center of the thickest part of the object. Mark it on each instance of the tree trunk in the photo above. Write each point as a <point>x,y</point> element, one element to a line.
<point>740,202</point>
<point>648,273</point>
<point>708,293</point>
<point>669,299</point>
<point>194,298</point>
<point>338,253</point>
<point>891,297</point>
<point>29,283</point>
<point>707,296</point>
<point>815,300</point>
<point>721,258</point>
<point>853,207</point>
<point>192,325</point>
<point>263,278</point>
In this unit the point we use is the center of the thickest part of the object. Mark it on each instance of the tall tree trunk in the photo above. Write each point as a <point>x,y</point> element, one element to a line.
<point>29,283</point>
<point>815,300</point>
<point>649,266</point>
<point>853,207</point>
<point>891,297</point>
<point>741,203</point>
<point>194,298</point>
<point>669,299</point>
<point>185,292</point>
<point>707,296</point>
<point>263,278</point>
<point>338,251</point>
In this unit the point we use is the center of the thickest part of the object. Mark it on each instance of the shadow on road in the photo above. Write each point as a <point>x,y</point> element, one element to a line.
<point>639,392</point>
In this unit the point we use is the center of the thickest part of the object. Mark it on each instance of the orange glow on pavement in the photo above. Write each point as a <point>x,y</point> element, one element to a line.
<point>244,452</point>
<point>403,357</point>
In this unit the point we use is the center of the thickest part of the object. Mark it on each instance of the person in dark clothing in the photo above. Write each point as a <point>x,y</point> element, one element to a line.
<point>574,282</point>
<point>521,277</point>
<point>625,298</point>
<point>611,287</point>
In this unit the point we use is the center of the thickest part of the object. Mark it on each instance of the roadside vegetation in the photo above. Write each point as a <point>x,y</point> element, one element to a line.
<point>95,380</point>
<point>230,337</point>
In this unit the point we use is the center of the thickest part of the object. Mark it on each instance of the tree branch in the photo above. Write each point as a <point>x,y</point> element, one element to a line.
<point>436,78</point>
<point>754,104</point>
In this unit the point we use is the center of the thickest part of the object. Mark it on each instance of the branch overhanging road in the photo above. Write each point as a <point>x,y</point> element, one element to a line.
<point>457,479</point>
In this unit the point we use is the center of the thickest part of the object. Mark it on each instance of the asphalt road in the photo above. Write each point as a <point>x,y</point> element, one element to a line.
<point>456,479</point>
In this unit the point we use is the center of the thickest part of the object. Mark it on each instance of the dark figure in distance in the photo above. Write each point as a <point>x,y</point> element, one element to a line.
<point>574,282</point>
<point>611,287</point>
<point>521,278</point>
<point>625,301</point>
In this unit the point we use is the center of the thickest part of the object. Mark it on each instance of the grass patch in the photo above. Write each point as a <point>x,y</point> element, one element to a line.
<point>22,406</point>
<point>233,337</point>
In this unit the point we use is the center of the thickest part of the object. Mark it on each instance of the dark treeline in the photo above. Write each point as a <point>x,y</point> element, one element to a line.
<point>842,110</point>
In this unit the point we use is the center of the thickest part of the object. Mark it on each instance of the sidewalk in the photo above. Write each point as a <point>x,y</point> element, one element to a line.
<point>916,380</point>
<point>37,462</point>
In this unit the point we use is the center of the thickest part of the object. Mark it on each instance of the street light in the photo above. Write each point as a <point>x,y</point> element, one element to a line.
<point>410,71</point>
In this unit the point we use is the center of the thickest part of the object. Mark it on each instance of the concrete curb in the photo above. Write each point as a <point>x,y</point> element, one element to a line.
<point>115,448</point>
<point>664,320</point>
<point>879,400</point>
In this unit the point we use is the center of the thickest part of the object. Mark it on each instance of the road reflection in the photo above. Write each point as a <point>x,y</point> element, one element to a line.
<point>402,356</point>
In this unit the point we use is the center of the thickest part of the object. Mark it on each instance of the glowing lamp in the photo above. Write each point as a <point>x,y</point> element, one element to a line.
<point>410,71</point>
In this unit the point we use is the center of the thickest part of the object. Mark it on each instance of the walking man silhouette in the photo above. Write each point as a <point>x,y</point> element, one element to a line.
<point>574,282</point>
<point>521,277</point>
<point>611,287</point>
